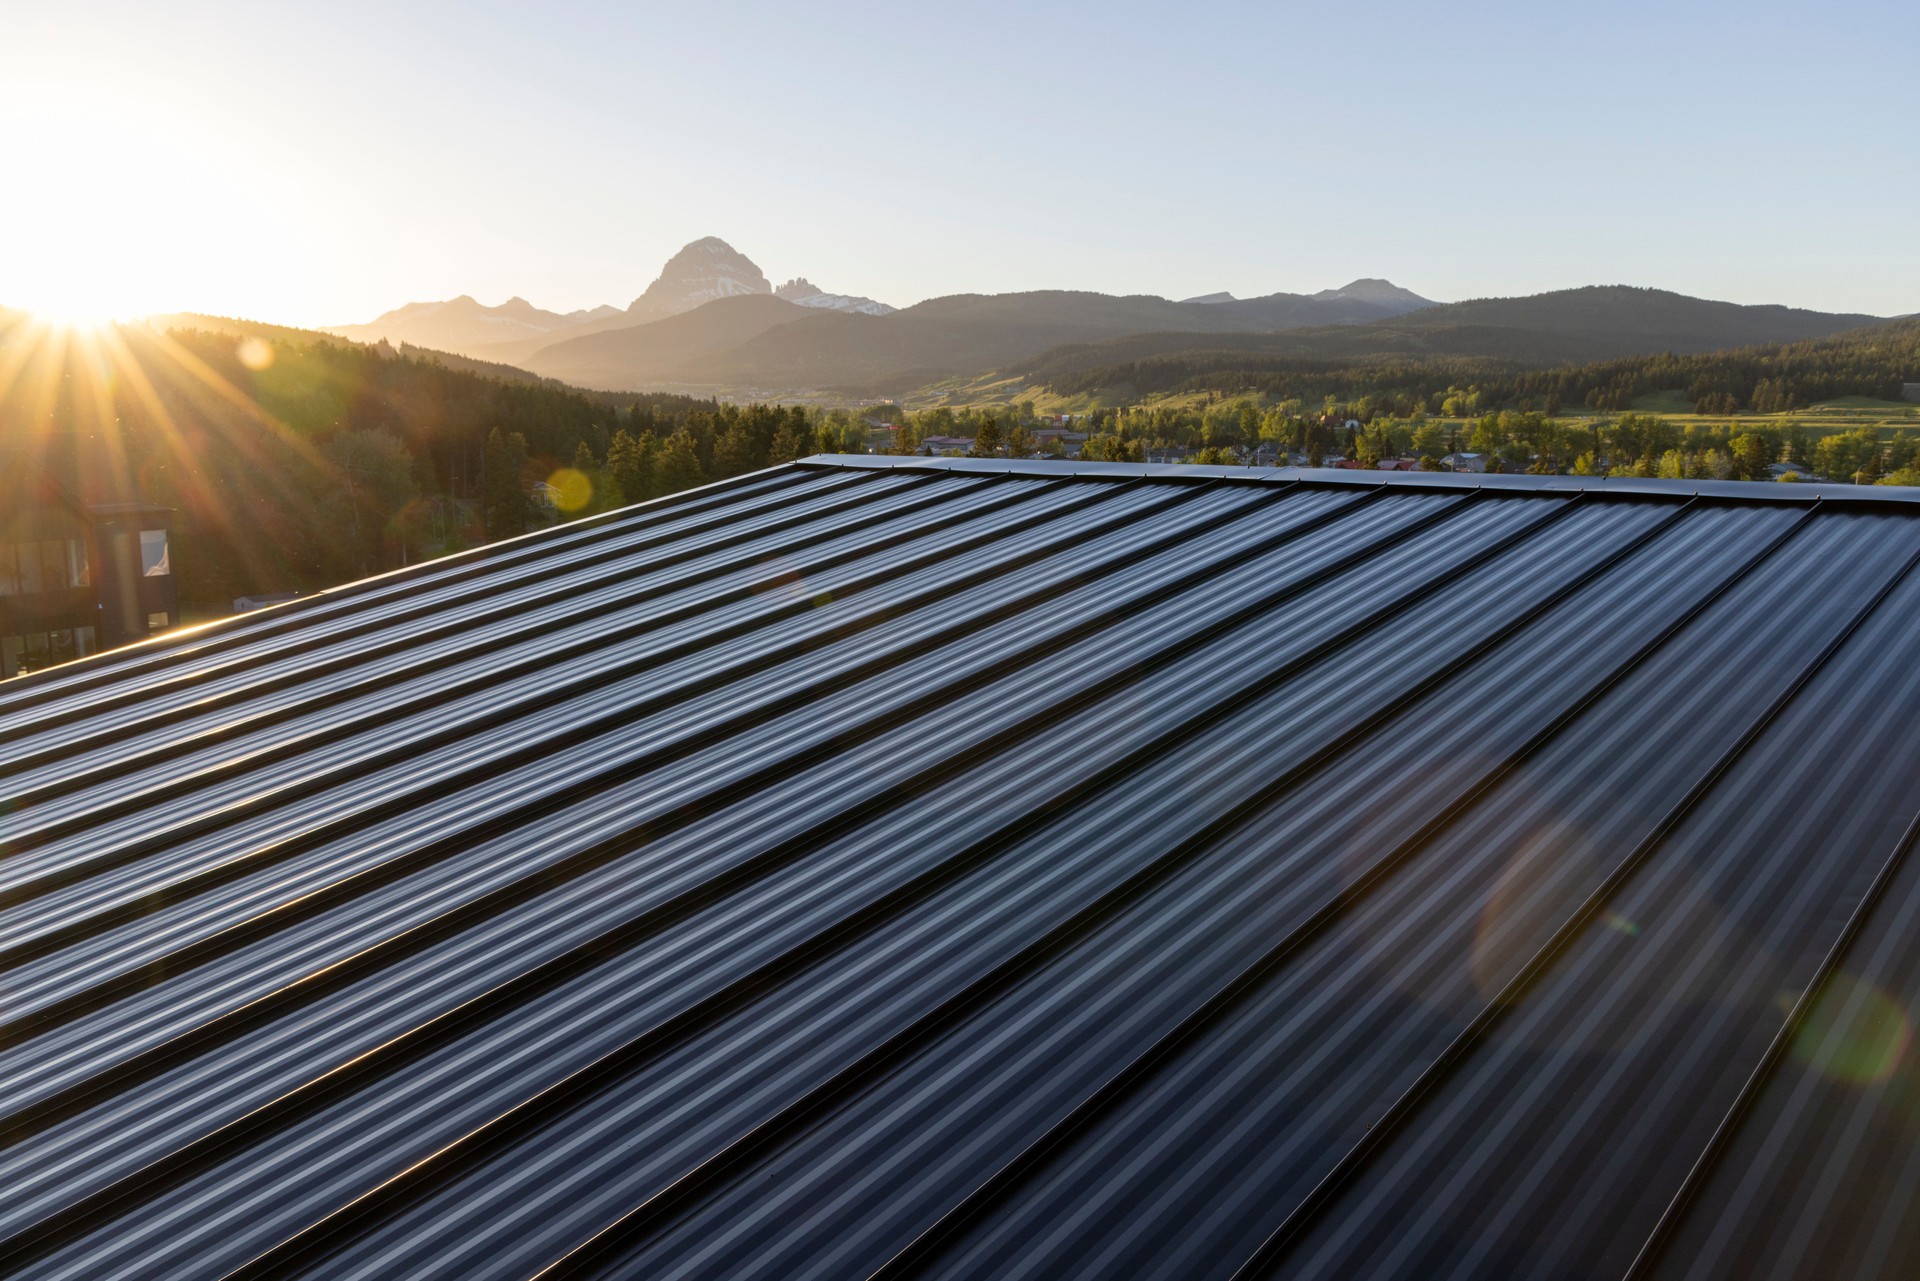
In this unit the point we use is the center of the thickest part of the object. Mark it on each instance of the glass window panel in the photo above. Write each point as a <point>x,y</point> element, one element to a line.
<point>53,566</point>
<point>9,573</point>
<point>36,655</point>
<point>60,646</point>
<point>79,571</point>
<point>153,553</point>
<point>85,642</point>
<point>29,566</point>
<point>158,622</point>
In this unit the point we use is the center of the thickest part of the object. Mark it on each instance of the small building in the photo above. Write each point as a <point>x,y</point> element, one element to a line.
<point>946,444</point>
<point>78,577</point>
<point>1464,462</point>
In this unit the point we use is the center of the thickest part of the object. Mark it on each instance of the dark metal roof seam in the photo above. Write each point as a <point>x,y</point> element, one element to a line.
<point>66,1105</point>
<point>400,673</point>
<point>552,657</point>
<point>1696,504</point>
<point>1652,1250</point>
<point>854,496</point>
<point>1280,1241</point>
<point>611,1241</point>
<point>956,867</point>
<point>924,1247</point>
<point>584,730</point>
<point>313,902</point>
<point>161,651</point>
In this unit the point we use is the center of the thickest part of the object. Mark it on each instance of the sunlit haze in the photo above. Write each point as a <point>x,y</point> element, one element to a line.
<point>320,164</point>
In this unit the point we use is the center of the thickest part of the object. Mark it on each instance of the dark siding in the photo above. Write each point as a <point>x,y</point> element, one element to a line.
<point>985,873</point>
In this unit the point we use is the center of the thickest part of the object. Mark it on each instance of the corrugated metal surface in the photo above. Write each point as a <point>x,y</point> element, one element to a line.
<point>995,870</point>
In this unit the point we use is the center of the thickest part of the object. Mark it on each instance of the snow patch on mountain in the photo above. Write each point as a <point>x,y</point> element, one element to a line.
<point>805,293</point>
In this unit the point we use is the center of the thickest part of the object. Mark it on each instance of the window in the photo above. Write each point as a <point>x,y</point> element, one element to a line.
<point>60,646</point>
<point>158,622</point>
<point>12,648</point>
<point>79,566</point>
<point>153,553</point>
<point>9,571</point>
<point>28,557</point>
<point>85,642</point>
<point>53,566</point>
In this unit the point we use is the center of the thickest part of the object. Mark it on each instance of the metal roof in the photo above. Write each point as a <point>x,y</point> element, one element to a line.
<point>963,868</point>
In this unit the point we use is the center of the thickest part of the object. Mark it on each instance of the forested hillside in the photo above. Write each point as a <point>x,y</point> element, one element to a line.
<point>295,461</point>
<point>1772,378</point>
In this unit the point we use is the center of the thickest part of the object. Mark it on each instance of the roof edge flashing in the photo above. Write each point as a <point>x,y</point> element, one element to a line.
<point>1800,494</point>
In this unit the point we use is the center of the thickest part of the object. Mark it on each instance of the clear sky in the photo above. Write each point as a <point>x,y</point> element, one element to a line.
<point>320,163</point>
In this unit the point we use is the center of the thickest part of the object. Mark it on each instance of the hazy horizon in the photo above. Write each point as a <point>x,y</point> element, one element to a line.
<point>289,167</point>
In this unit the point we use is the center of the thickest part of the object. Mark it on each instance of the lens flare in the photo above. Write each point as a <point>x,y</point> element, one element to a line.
<point>254,354</point>
<point>572,490</point>
<point>1854,1033</point>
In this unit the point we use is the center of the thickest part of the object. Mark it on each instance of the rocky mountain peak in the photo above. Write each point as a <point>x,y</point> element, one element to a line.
<point>707,269</point>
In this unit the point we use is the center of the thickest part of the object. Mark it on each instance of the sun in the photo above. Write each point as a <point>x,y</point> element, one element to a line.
<point>76,315</point>
<point>118,209</point>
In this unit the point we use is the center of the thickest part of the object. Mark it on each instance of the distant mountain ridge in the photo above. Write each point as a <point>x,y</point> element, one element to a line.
<point>702,272</point>
<point>942,336</point>
<point>461,324</point>
<point>961,334</point>
<point>1567,326</point>
<point>713,323</point>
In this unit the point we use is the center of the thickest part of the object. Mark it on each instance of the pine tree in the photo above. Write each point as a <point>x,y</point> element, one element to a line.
<point>788,444</point>
<point>986,440</point>
<point>507,511</point>
<point>733,452</point>
<point>630,461</point>
<point>677,465</point>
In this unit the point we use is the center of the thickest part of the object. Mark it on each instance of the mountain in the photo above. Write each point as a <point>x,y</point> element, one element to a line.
<point>805,293</point>
<point>462,324</point>
<point>1383,293</point>
<point>659,353</point>
<point>961,334</point>
<point>701,272</point>
<point>1328,307</point>
<point>939,338</point>
<point>1568,326</point>
<point>705,270</point>
<point>1361,301</point>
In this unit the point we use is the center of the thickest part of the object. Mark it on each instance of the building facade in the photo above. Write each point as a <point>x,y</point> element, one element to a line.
<point>76,577</point>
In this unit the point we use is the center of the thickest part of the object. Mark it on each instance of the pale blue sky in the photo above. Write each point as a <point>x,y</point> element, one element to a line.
<point>320,163</point>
